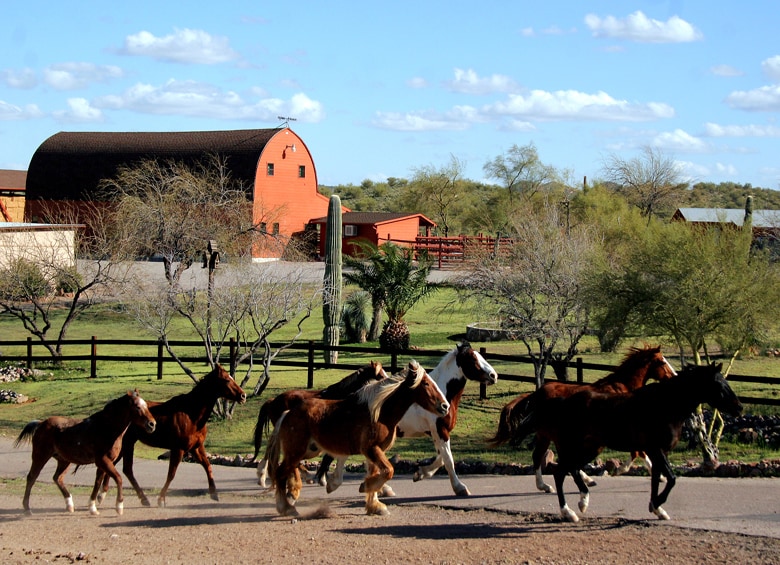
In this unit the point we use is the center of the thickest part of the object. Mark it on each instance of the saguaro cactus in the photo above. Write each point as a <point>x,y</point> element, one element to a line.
<point>331,303</point>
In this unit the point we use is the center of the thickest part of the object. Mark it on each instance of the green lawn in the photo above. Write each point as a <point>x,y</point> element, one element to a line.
<point>436,324</point>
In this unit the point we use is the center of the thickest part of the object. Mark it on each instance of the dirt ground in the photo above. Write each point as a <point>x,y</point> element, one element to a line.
<point>241,529</point>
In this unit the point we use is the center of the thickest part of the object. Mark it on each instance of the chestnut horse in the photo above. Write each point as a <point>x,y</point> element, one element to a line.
<point>639,366</point>
<point>456,368</point>
<point>181,428</point>
<point>363,423</point>
<point>97,439</point>
<point>650,419</point>
<point>272,409</point>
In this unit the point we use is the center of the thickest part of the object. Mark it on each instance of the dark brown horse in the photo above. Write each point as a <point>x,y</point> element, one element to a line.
<point>181,428</point>
<point>272,409</point>
<point>649,419</point>
<point>97,439</point>
<point>639,366</point>
<point>363,423</point>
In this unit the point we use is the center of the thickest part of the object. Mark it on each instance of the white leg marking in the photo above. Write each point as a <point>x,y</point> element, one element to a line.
<point>540,484</point>
<point>69,506</point>
<point>568,515</point>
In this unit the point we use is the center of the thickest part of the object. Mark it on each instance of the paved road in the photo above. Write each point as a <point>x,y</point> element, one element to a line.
<point>747,506</point>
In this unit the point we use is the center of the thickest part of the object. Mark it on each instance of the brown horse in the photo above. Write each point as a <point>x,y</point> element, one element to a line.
<point>272,409</point>
<point>650,418</point>
<point>362,423</point>
<point>639,366</point>
<point>97,439</point>
<point>181,428</point>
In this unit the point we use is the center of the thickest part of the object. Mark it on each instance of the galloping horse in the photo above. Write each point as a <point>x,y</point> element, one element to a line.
<point>181,428</point>
<point>362,423</point>
<point>272,409</point>
<point>97,439</point>
<point>458,366</point>
<point>639,366</point>
<point>650,419</point>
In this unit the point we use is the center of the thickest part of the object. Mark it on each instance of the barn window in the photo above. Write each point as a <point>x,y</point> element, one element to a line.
<point>263,227</point>
<point>270,169</point>
<point>275,227</point>
<point>302,171</point>
<point>350,230</point>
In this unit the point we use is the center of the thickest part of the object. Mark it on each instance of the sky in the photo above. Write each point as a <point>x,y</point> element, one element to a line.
<point>380,90</point>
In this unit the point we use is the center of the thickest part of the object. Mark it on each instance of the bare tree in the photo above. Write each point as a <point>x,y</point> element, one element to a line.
<point>57,275</point>
<point>534,287</point>
<point>649,181</point>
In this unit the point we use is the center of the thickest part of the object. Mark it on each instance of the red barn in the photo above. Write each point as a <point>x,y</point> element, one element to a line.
<point>274,164</point>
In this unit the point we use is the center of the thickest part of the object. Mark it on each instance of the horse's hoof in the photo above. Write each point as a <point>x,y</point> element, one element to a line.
<point>28,512</point>
<point>214,496</point>
<point>145,502</point>
<point>386,491</point>
<point>583,506</point>
<point>329,487</point>
<point>660,512</point>
<point>568,515</point>
<point>417,477</point>
<point>378,511</point>
<point>362,487</point>
<point>120,508</point>
<point>160,503</point>
<point>463,492</point>
<point>590,483</point>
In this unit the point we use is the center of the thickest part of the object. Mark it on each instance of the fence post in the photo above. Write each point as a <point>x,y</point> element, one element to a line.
<point>482,386</point>
<point>233,355</point>
<point>29,353</point>
<point>580,376</point>
<point>93,358</point>
<point>310,367</point>
<point>159,359</point>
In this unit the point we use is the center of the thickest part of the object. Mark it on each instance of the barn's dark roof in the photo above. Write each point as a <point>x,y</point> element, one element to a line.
<point>69,165</point>
<point>361,218</point>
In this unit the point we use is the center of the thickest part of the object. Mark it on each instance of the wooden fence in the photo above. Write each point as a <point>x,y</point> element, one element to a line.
<point>304,355</point>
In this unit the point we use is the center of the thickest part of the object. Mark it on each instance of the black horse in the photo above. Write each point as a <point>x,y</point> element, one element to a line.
<point>650,419</point>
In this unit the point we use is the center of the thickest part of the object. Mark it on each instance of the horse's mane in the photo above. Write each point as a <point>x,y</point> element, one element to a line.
<point>375,394</point>
<point>634,359</point>
<point>352,382</point>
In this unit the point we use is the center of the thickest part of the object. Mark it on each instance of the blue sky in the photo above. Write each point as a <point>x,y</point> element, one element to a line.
<point>380,90</point>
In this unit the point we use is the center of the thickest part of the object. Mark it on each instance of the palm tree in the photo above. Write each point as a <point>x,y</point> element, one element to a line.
<point>395,282</point>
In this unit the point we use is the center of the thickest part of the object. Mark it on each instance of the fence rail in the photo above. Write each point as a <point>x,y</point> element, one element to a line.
<point>292,357</point>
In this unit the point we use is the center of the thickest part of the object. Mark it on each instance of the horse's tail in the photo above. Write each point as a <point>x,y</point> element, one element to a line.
<point>262,426</point>
<point>273,450</point>
<point>513,421</point>
<point>27,433</point>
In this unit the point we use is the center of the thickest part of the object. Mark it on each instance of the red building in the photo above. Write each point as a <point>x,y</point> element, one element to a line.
<point>377,228</point>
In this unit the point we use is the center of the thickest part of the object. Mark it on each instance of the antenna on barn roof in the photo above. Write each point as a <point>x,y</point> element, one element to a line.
<point>286,121</point>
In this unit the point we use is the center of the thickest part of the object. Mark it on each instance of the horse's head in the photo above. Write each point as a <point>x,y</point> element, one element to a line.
<point>642,365</point>
<point>426,392</point>
<point>714,387</point>
<point>225,385</point>
<point>659,368</point>
<point>139,412</point>
<point>473,365</point>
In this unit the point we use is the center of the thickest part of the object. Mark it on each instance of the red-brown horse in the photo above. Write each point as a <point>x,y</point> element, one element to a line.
<point>181,428</point>
<point>639,366</point>
<point>272,409</point>
<point>363,423</point>
<point>650,418</point>
<point>97,439</point>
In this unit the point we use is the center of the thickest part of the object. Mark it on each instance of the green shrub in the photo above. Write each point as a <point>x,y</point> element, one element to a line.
<point>23,280</point>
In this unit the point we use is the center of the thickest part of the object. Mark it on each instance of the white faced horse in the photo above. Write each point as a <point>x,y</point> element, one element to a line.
<point>458,366</point>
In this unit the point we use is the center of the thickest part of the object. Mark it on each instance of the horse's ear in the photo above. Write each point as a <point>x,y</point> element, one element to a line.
<point>463,345</point>
<point>719,367</point>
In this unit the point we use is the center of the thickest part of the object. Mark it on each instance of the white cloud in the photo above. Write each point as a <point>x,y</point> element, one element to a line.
<point>79,110</point>
<point>527,32</point>
<point>726,71</point>
<point>417,82</point>
<point>182,46</point>
<point>750,130</point>
<point>420,121</point>
<point>24,78</point>
<point>680,140</point>
<point>763,99</point>
<point>468,82</point>
<point>575,105</point>
<point>638,27</point>
<point>10,112</point>
<point>190,98</point>
<point>726,169</point>
<point>72,76</point>
<point>771,67</point>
